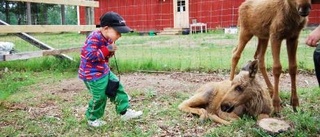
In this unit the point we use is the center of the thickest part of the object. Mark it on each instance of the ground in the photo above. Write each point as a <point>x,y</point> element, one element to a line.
<point>168,84</point>
<point>163,82</point>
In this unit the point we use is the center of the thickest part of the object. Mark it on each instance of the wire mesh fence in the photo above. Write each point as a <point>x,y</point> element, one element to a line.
<point>207,51</point>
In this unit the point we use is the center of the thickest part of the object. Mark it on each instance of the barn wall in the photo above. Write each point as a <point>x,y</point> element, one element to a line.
<point>216,13</point>
<point>140,15</point>
<point>314,17</point>
<point>146,15</point>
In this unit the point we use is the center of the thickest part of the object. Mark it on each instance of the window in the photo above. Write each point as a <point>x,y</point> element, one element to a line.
<point>181,5</point>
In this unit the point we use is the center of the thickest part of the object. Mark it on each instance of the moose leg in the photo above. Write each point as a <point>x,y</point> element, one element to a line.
<point>244,37</point>
<point>195,105</point>
<point>292,45</point>
<point>228,116</point>
<point>216,118</point>
<point>260,55</point>
<point>276,69</point>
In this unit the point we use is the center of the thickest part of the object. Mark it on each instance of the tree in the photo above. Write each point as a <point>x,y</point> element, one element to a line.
<point>71,15</point>
<point>37,13</point>
<point>7,12</point>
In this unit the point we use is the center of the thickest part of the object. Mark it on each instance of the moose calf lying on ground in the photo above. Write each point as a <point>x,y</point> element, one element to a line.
<point>225,101</point>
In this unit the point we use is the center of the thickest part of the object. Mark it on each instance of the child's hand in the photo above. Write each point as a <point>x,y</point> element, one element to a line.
<point>111,54</point>
<point>112,47</point>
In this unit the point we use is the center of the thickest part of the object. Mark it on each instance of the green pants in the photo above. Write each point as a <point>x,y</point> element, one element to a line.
<point>98,101</point>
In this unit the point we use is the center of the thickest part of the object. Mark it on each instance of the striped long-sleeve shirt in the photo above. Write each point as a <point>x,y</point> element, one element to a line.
<point>94,64</point>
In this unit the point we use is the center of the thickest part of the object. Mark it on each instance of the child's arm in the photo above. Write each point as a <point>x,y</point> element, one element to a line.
<point>111,48</point>
<point>94,51</point>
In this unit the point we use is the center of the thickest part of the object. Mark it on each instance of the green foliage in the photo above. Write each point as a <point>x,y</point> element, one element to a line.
<point>243,127</point>
<point>21,71</point>
<point>11,82</point>
<point>216,31</point>
<point>25,73</point>
<point>54,16</point>
<point>134,33</point>
<point>41,13</point>
<point>71,15</point>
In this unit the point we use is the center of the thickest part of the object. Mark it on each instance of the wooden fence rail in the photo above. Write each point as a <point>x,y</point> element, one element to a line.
<point>45,28</point>
<point>34,54</point>
<point>22,30</point>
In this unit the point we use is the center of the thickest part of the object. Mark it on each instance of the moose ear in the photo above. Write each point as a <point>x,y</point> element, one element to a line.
<point>253,68</point>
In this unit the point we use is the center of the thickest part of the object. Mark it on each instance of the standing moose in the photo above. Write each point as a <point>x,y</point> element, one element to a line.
<point>274,21</point>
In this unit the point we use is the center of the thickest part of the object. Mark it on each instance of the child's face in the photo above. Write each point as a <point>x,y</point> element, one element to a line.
<point>111,33</point>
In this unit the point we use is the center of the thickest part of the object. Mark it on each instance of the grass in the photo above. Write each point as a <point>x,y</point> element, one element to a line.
<point>210,54</point>
<point>37,111</point>
<point>29,107</point>
<point>20,72</point>
<point>201,52</point>
<point>305,122</point>
<point>183,54</point>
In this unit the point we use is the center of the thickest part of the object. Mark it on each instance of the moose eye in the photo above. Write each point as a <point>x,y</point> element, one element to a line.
<point>238,88</point>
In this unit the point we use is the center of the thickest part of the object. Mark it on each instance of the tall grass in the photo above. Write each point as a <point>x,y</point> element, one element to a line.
<point>42,64</point>
<point>201,52</point>
<point>209,52</point>
<point>23,73</point>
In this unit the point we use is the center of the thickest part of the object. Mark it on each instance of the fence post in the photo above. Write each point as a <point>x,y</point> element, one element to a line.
<point>89,16</point>
<point>29,22</point>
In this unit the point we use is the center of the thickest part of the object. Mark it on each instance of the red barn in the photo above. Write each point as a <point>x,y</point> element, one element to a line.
<point>146,15</point>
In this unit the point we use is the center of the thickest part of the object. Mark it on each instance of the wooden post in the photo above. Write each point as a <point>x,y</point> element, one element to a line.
<point>7,12</point>
<point>63,15</point>
<point>89,16</point>
<point>28,13</point>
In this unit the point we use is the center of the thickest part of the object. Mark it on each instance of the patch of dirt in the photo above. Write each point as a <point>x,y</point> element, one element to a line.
<point>160,83</point>
<point>62,86</point>
<point>48,109</point>
<point>189,82</point>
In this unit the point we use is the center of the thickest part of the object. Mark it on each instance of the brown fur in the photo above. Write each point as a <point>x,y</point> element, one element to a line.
<point>272,20</point>
<point>244,95</point>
